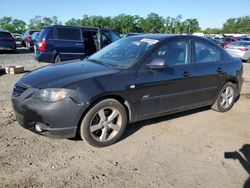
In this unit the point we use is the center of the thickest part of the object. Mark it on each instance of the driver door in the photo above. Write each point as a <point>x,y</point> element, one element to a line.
<point>168,88</point>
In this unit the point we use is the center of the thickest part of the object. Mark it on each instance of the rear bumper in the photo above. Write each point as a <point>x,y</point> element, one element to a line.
<point>44,57</point>
<point>7,47</point>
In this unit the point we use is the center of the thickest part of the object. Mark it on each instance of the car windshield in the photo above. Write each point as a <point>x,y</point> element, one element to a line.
<point>123,53</point>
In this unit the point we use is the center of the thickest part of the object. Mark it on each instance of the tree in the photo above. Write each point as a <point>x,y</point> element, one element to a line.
<point>237,25</point>
<point>191,26</point>
<point>212,31</point>
<point>152,24</point>
<point>12,25</point>
<point>39,22</point>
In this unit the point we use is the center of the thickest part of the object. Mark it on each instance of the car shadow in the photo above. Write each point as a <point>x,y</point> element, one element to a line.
<point>24,51</point>
<point>243,156</point>
<point>2,71</point>
<point>134,127</point>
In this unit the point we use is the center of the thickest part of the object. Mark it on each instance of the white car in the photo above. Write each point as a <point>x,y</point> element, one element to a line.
<point>239,49</point>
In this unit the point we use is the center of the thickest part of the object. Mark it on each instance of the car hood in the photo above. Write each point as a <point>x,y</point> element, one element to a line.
<point>63,74</point>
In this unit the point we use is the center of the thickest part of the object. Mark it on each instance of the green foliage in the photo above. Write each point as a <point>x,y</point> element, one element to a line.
<point>12,25</point>
<point>153,23</point>
<point>237,25</point>
<point>38,22</point>
<point>212,31</point>
<point>123,23</point>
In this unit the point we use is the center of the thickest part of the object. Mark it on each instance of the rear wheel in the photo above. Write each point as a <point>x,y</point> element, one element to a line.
<point>226,98</point>
<point>58,59</point>
<point>104,123</point>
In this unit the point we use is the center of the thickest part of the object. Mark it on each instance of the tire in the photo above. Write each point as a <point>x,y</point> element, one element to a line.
<point>226,98</point>
<point>107,119</point>
<point>248,61</point>
<point>58,59</point>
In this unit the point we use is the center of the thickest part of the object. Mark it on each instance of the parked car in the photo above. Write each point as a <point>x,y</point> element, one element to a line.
<point>130,80</point>
<point>217,41</point>
<point>228,40</point>
<point>26,37</point>
<point>7,41</point>
<point>33,40</point>
<point>62,43</point>
<point>239,49</point>
<point>18,39</point>
<point>244,39</point>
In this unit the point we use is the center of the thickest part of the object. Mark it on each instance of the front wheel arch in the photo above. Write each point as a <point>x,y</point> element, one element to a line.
<point>120,99</point>
<point>88,136</point>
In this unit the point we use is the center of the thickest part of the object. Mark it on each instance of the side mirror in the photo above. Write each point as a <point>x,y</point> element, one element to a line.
<point>157,64</point>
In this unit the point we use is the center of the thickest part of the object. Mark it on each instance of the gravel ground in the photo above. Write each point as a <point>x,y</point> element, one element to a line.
<point>182,150</point>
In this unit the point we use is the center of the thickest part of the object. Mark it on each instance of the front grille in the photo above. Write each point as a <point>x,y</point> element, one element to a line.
<point>18,90</point>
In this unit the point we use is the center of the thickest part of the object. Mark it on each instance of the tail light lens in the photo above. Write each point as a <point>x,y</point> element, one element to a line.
<point>243,49</point>
<point>42,45</point>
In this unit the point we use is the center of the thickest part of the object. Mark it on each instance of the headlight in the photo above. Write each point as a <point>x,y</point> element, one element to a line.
<point>52,95</point>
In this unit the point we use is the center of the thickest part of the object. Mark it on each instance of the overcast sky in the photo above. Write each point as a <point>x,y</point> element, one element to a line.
<point>211,13</point>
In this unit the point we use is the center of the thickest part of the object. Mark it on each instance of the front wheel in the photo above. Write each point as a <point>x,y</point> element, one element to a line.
<point>104,123</point>
<point>226,98</point>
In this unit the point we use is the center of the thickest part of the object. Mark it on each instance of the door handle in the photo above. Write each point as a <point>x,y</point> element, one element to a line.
<point>79,44</point>
<point>186,74</point>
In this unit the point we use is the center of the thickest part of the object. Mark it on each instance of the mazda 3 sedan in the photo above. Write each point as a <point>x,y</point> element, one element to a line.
<point>132,79</point>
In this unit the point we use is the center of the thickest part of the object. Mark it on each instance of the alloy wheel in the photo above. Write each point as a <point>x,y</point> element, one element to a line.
<point>105,124</point>
<point>227,97</point>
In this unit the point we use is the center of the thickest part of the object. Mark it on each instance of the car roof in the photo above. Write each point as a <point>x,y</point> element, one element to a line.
<point>165,36</point>
<point>71,26</point>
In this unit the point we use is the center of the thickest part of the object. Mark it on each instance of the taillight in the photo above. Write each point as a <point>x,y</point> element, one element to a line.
<point>225,46</point>
<point>243,49</point>
<point>42,45</point>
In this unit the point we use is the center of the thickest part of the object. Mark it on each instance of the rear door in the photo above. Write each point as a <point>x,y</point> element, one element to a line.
<point>69,44</point>
<point>209,68</point>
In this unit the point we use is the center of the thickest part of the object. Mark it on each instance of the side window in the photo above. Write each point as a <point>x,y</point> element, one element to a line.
<point>114,36</point>
<point>68,34</point>
<point>172,53</point>
<point>205,53</point>
<point>105,38</point>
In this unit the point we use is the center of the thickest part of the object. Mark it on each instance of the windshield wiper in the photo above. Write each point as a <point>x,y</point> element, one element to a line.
<point>100,62</point>
<point>97,62</point>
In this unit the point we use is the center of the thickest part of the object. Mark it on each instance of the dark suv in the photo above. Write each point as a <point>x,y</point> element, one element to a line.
<point>62,43</point>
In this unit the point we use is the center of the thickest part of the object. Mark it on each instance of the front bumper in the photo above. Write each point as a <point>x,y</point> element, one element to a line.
<point>57,119</point>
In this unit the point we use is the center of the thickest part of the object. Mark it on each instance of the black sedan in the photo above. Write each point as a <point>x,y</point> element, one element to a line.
<point>132,79</point>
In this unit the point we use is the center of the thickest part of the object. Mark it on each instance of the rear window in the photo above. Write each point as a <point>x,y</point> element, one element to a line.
<point>68,33</point>
<point>4,35</point>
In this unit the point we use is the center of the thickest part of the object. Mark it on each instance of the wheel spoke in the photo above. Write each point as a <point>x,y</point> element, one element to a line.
<point>94,128</point>
<point>227,103</point>
<point>102,115</point>
<point>114,114</point>
<point>223,102</point>
<point>227,91</point>
<point>114,127</point>
<point>103,136</point>
<point>230,94</point>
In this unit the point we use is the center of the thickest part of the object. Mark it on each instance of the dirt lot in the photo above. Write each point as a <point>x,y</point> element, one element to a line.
<point>182,150</point>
